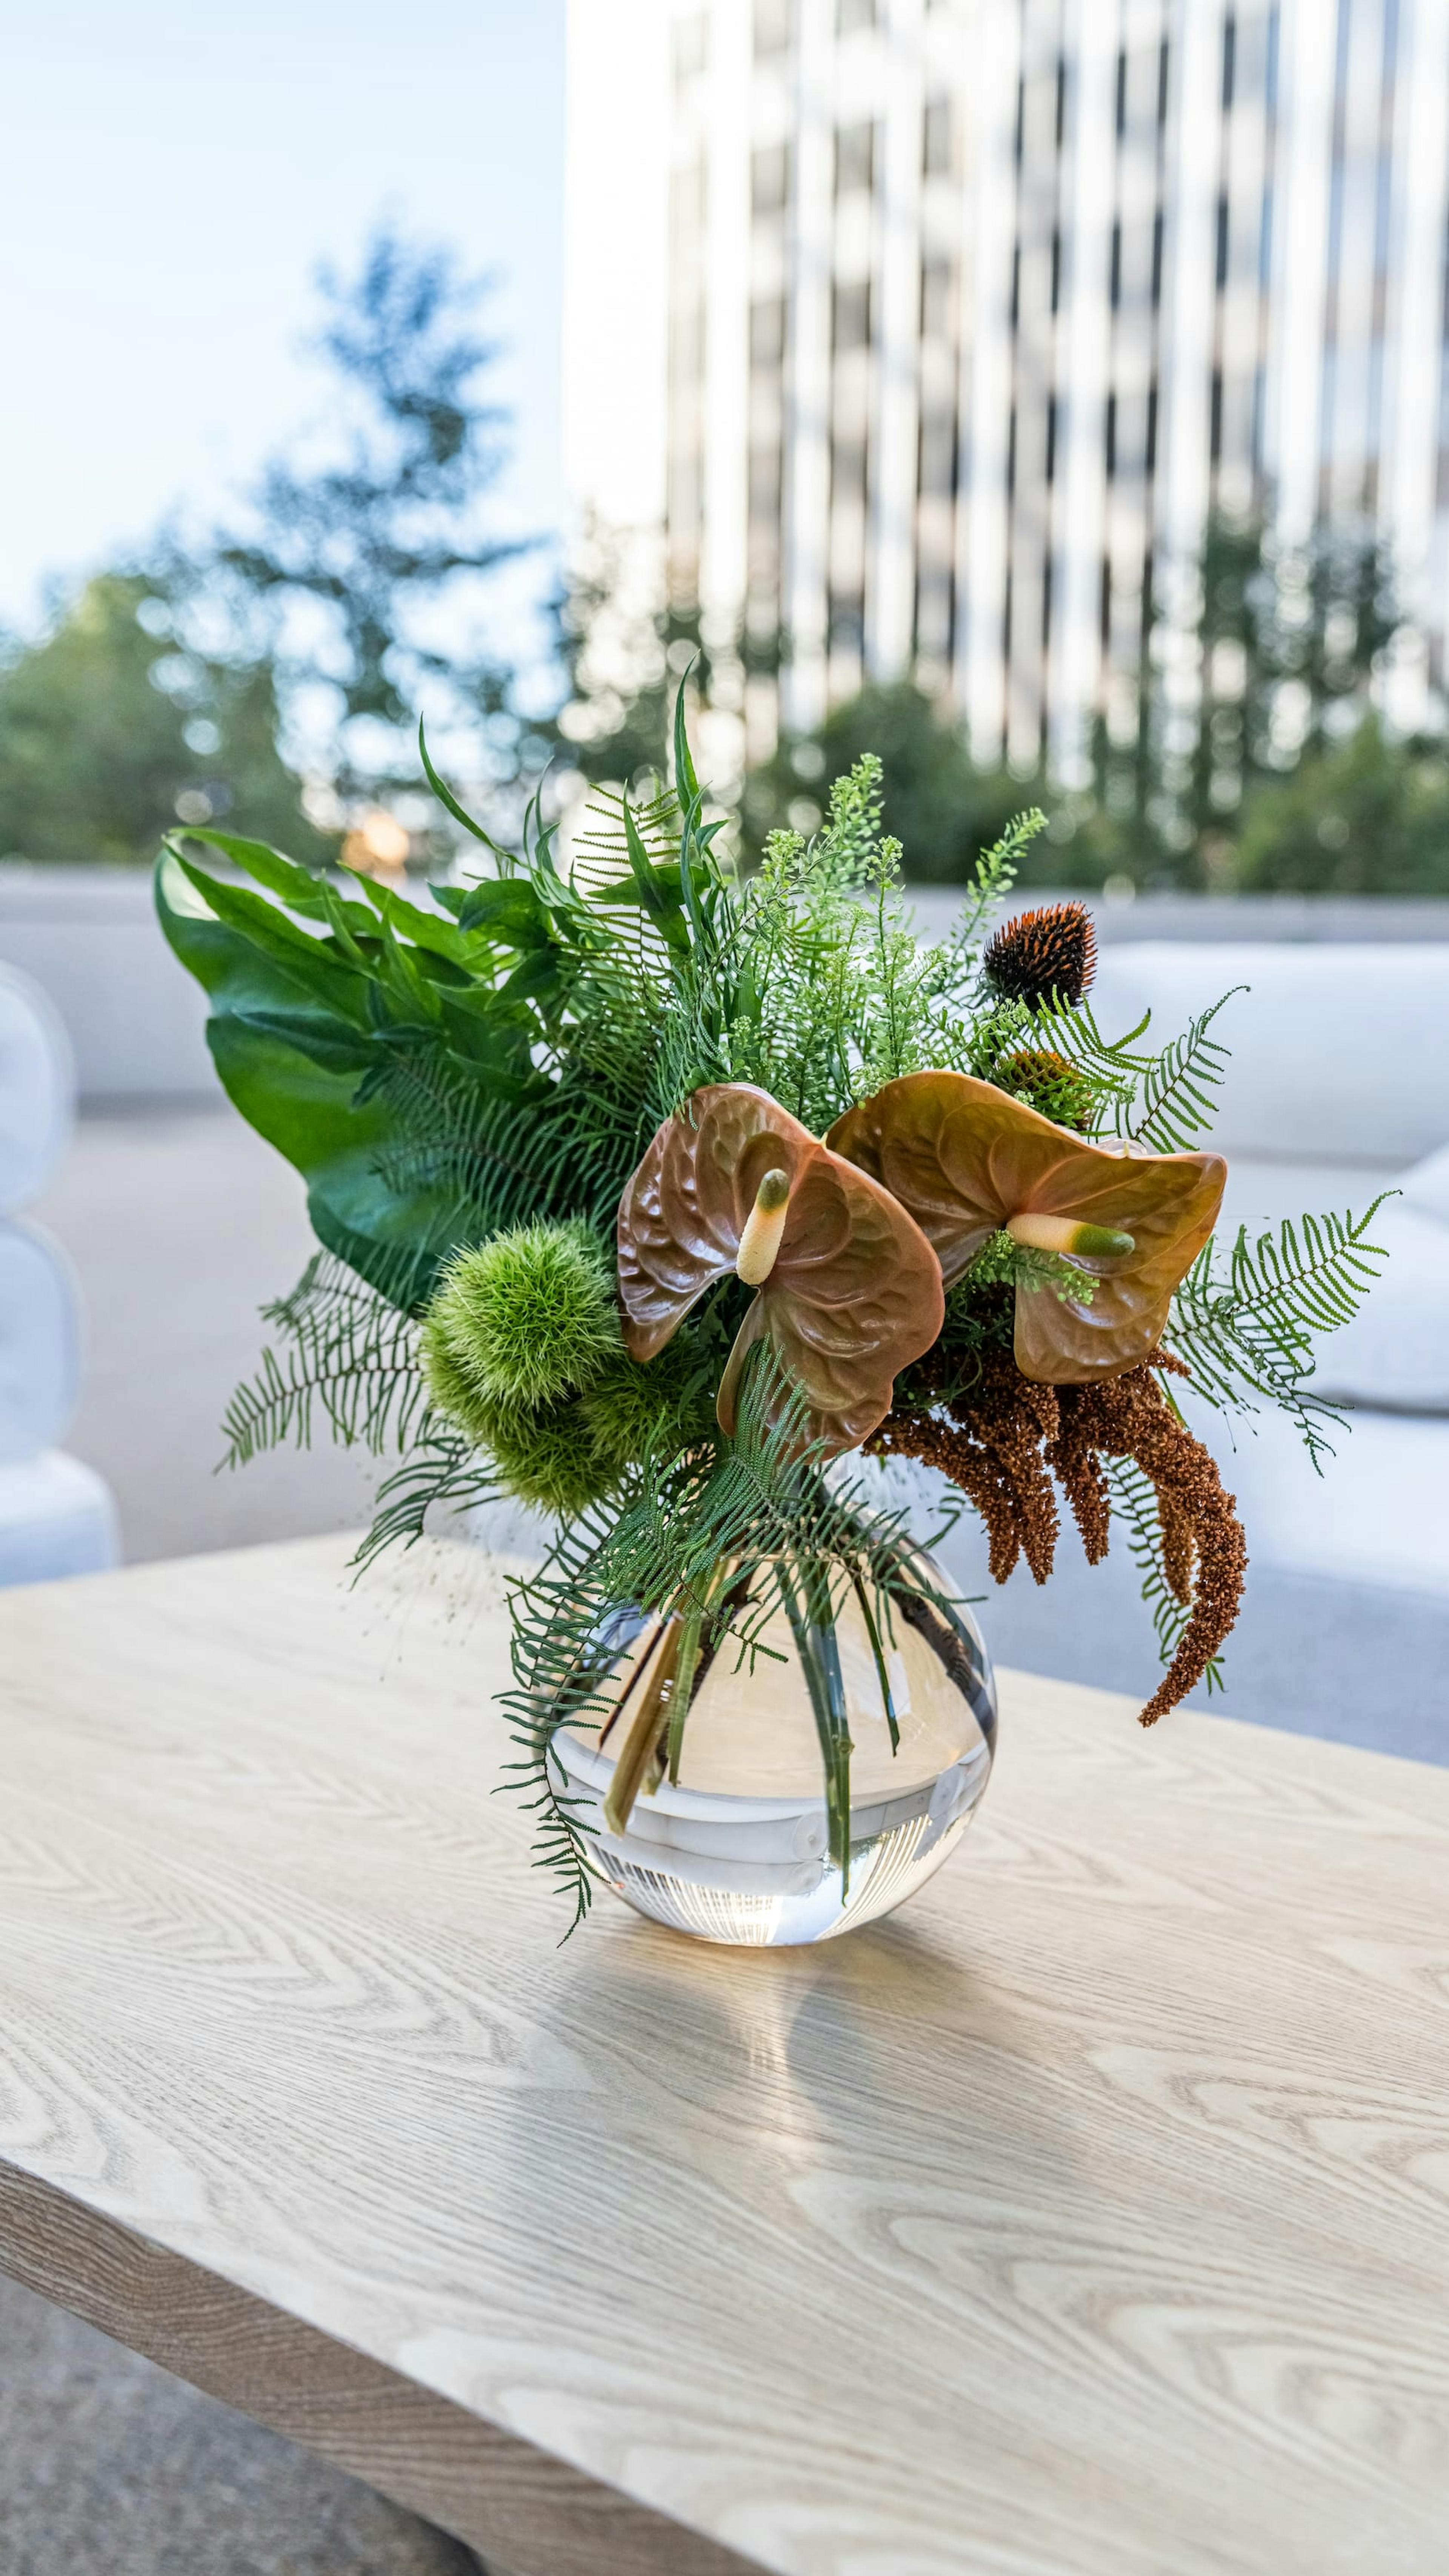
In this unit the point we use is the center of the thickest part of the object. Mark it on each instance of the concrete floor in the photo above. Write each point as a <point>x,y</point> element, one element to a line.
<point>110,2467</point>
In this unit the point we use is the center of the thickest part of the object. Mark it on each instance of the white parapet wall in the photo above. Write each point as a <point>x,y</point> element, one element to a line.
<point>90,938</point>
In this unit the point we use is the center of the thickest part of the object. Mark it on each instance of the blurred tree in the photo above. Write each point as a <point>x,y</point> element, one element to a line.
<point>1289,643</point>
<point>1361,816</point>
<point>622,660</point>
<point>368,554</point>
<point>351,594</point>
<point>937,805</point>
<point>942,808</point>
<point>111,731</point>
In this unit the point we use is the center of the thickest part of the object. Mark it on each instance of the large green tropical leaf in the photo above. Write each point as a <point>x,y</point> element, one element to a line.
<point>298,1048</point>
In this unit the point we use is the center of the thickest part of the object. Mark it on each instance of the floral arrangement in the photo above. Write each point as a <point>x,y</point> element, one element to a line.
<point>644,1194</point>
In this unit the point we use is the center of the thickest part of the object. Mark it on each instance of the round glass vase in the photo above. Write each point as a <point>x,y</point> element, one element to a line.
<point>737,1846</point>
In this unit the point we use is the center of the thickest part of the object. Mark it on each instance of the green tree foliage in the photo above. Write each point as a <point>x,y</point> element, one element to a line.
<point>1289,640</point>
<point>111,730</point>
<point>1364,816</point>
<point>945,811</point>
<point>161,691</point>
<point>361,552</point>
<point>936,803</point>
<point>1266,784</point>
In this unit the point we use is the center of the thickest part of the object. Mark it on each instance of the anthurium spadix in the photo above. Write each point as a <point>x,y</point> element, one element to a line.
<point>968,1162</point>
<point>848,1290</point>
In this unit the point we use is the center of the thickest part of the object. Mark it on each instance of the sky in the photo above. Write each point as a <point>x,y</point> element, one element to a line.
<point>175,172</point>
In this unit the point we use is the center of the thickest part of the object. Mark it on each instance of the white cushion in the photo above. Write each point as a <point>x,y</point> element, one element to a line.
<point>1395,1353</point>
<point>1379,1513</point>
<point>1425,1186</point>
<point>37,1090</point>
<point>1336,1051</point>
<point>56,1517</point>
<point>39,1341</point>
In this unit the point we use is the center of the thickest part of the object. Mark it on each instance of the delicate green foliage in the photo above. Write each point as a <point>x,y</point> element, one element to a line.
<point>834,994</point>
<point>351,1356</point>
<point>1177,1087</point>
<point>442,1472</point>
<point>1112,1067</point>
<point>1004,1263</point>
<point>1248,1334</point>
<point>527,1317</point>
<point>800,943</point>
<point>1135,1503</point>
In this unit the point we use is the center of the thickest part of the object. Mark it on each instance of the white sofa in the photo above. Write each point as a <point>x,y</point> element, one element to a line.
<point>1339,1088</point>
<point>56,1515</point>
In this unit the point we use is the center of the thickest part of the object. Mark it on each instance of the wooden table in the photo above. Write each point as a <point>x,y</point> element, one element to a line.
<point>1091,2216</point>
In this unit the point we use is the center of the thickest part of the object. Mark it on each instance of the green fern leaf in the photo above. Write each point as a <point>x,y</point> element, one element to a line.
<point>1248,1336</point>
<point>1177,1087</point>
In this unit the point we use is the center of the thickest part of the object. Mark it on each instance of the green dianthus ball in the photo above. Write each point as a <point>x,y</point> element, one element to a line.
<point>515,1328</point>
<point>1052,1084</point>
<point>546,1454</point>
<point>522,1320</point>
<point>663,1405</point>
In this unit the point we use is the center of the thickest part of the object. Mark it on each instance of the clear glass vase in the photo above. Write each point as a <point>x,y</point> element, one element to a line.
<point>740,1844</point>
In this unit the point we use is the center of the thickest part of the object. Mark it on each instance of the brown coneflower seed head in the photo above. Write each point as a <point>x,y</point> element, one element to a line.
<point>1049,1082</point>
<point>1049,955</point>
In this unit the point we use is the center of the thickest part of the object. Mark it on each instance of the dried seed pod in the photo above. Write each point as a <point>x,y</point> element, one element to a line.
<point>1045,956</point>
<point>1050,1084</point>
<point>997,1441</point>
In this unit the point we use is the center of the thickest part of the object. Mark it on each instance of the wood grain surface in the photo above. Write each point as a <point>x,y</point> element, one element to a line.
<point>1091,2218</point>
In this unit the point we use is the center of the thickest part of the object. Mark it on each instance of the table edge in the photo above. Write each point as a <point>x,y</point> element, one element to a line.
<point>506,2497</point>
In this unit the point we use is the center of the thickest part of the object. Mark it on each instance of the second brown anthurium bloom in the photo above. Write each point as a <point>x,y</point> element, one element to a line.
<point>970,1162</point>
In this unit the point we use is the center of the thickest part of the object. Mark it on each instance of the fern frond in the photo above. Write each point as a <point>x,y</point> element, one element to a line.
<point>1248,1336</point>
<point>601,847</point>
<point>1115,1067</point>
<point>482,1158</point>
<point>1177,1102</point>
<point>351,1355</point>
<point>327,1287</point>
<point>565,1646</point>
<point>441,1472</point>
<point>1134,1501</point>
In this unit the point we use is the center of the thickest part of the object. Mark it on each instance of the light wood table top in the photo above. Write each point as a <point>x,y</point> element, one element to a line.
<point>1089,2219</point>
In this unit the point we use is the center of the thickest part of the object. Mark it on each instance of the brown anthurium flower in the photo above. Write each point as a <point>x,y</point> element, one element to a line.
<point>849,1288</point>
<point>967,1160</point>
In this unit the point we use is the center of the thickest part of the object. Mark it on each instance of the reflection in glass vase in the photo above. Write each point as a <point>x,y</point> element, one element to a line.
<point>738,1846</point>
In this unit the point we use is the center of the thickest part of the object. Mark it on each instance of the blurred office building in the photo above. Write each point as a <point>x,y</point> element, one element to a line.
<point>933,334</point>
